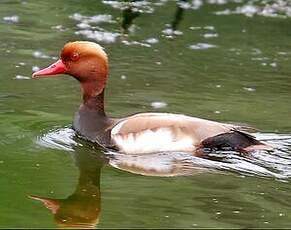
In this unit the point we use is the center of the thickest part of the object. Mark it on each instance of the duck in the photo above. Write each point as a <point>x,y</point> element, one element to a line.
<point>140,133</point>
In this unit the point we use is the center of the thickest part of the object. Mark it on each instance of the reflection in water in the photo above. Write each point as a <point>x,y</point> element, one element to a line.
<point>178,15</point>
<point>128,15</point>
<point>164,164</point>
<point>82,208</point>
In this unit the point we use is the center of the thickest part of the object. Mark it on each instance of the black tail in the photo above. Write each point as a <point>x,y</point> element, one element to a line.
<point>234,140</point>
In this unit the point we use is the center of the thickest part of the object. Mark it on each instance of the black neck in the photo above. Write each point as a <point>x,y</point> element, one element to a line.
<point>95,103</point>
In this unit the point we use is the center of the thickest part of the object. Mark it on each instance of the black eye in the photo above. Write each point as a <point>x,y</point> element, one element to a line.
<point>75,57</point>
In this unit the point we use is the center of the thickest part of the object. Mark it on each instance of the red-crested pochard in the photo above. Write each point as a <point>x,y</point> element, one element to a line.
<point>144,132</point>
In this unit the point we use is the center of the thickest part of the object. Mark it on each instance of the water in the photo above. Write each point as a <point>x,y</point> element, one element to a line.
<point>221,60</point>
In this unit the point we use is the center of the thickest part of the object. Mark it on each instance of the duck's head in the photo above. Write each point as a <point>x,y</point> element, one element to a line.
<point>85,61</point>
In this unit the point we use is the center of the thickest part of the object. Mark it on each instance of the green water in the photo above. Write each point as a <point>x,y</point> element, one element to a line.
<point>245,78</point>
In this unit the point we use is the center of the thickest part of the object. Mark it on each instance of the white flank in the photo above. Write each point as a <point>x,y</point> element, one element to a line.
<point>150,141</point>
<point>164,138</point>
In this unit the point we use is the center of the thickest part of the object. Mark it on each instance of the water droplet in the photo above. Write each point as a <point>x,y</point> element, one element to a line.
<point>273,64</point>
<point>249,89</point>
<point>202,46</point>
<point>209,27</point>
<point>13,18</point>
<point>169,32</point>
<point>35,68</point>
<point>194,27</point>
<point>282,53</point>
<point>158,104</point>
<point>21,77</point>
<point>208,35</point>
<point>60,28</point>
<point>152,40</point>
<point>83,25</point>
<point>39,54</point>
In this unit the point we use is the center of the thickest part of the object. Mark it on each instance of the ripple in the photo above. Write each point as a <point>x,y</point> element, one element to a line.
<point>61,139</point>
<point>275,164</point>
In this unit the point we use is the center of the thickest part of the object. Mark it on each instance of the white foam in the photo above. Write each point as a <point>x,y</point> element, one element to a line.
<point>129,43</point>
<point>159,104</point>
<point>39,54</point>
<point>250,89</point>
<point>275,8</point>
<point>138,6</point>
<point>210,35</point>
<point>21,77</point>
<point>152,40</point>
<point>35,68</point>
<point>13,18</point>
<point>202,46</point>
<point>96,19</point>
<point>100,36</point>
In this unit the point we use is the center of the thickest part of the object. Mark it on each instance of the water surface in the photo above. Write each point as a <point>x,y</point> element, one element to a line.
<point>221,60</point>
